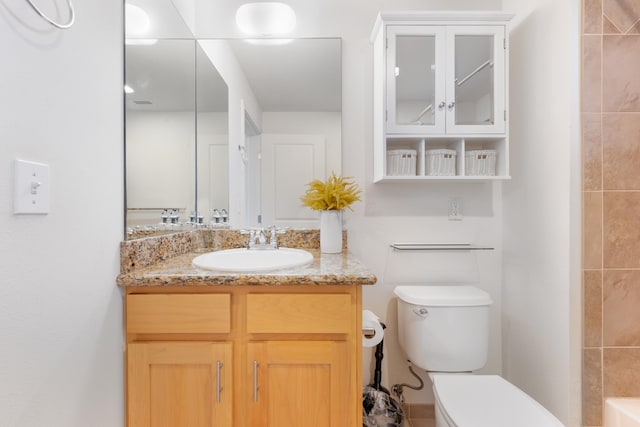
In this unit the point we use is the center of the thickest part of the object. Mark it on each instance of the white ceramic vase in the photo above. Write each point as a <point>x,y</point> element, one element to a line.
<point>331,231</point>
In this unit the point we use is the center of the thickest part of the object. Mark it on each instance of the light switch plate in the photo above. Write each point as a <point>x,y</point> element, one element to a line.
<point>31,191</point>
<point>455,209</point>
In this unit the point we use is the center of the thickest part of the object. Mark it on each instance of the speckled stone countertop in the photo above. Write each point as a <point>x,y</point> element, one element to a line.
<point>166,261</point>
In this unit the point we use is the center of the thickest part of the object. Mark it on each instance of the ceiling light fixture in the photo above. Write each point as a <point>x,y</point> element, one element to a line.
<point>266,19</point>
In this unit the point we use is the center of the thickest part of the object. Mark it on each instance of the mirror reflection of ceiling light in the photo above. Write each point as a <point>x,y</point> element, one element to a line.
<point>140,42</point>
<point>268,42</point>
<point>137,21</point>
<point>268,18</point>
<point>128,89</point>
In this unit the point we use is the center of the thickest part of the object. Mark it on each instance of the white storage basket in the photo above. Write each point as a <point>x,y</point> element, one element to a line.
<point>480,163</point>
<point>401,162</point>
<point>441,162</point>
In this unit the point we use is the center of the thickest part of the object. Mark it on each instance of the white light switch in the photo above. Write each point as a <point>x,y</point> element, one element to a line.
<point>31,193</point>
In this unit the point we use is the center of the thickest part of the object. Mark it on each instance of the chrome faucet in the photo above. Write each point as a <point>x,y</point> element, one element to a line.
<point>258,237</point>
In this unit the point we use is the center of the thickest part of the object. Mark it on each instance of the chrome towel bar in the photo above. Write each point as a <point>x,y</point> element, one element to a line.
<point>439,247</point>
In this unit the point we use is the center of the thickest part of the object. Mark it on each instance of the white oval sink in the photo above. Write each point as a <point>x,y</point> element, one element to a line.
<point>245,260</point>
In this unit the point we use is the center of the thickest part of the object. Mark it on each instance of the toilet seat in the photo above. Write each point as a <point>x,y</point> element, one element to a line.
<point>469,400</point>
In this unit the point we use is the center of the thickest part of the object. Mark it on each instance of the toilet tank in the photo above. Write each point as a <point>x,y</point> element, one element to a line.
<point>444,328</point>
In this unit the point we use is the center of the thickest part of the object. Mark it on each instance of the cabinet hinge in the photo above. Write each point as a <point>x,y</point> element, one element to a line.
<point>386,43</point>
<point>386,115</point>
<point>504,44</point>
<point>505,115</point>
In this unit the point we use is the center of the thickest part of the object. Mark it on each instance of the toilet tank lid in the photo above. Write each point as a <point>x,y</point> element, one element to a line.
<point>443,295</point>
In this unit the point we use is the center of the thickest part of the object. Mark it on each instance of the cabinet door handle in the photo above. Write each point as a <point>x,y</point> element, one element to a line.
<point>219,366</point>
<point>442,105</point>
<point>255,380</point>
<point>450,106</point>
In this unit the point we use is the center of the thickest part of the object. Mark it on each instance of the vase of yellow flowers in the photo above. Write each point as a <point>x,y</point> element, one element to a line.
<point>330,198</point>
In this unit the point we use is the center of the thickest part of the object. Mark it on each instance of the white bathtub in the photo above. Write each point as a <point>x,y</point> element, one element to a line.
<point>622,412</point>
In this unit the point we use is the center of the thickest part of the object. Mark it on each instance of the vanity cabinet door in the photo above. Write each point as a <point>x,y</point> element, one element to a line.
<point>179,384</point>
<point>300,383</point>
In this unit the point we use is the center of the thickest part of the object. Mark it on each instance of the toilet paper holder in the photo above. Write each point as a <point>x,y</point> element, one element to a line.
<point>368,332</point>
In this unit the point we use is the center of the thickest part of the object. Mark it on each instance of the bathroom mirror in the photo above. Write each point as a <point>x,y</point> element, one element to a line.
<point>288,130</point>
<point>197,153</point>
<point>160,116</point>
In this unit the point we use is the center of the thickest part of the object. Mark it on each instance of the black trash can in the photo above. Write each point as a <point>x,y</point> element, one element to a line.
<point>379,409</point>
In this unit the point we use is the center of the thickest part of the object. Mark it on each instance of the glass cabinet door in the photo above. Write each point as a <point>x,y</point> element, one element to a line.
<point>445,79</point>
<point>475,82</point>
<point>415,79</point>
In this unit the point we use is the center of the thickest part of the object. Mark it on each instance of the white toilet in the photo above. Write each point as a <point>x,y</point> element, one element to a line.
<point>445,330</point>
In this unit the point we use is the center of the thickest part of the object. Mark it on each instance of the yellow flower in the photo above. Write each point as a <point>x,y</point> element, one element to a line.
<point>335,194</point>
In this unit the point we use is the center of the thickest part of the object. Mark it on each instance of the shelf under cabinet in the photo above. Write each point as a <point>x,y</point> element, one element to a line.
<point>458,144</point>
<point>456,178</point>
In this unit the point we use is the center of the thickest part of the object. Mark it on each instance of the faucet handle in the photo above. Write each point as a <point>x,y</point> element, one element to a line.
<point>252,237</point>
<point>278,230</point>
<point>273,232</point>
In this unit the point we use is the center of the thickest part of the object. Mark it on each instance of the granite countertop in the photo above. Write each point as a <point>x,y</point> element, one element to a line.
<point>326,269</point>
<point>166,261</point>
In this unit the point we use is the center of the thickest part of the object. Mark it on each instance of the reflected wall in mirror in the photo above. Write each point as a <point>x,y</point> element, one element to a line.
<point>212,136</point>
<point>289,128</point>
<point>474,79</point>
<point>415,79</point>
<point>160,130</point>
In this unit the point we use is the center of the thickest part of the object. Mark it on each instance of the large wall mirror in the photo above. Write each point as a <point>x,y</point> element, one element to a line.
<point>224,132</point>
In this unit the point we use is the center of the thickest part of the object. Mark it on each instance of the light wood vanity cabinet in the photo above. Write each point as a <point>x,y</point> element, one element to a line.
<point>244,356</point>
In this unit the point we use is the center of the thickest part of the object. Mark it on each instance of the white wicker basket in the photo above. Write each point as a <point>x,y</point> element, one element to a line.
<point>441,162</point>
<point>401,162</point>
<point>480,163</point>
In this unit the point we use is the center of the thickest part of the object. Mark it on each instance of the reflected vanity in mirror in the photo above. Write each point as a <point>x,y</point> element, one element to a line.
<point>225,129</point>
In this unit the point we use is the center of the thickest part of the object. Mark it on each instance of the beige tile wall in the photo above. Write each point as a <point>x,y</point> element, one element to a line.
<point>611,203</point>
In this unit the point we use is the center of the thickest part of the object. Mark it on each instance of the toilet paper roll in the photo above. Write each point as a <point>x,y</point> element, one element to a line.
<point>371,321</point>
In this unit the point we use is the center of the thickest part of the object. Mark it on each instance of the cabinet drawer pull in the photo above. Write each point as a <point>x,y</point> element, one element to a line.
<point>219,366</point>
<point>255,380</point>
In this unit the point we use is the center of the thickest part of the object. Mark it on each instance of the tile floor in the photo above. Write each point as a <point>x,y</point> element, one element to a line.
<point>419,416</point>
<point>419,422</point>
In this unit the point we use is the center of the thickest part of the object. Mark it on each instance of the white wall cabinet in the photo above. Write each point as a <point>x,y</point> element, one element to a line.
<point>441,83</point>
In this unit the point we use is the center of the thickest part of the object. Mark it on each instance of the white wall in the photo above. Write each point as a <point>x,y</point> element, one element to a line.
<point>160,164</point>
<point>61,351</point>
<point>393,212</point>
<point>407,212</point>
<point>541,327</point>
